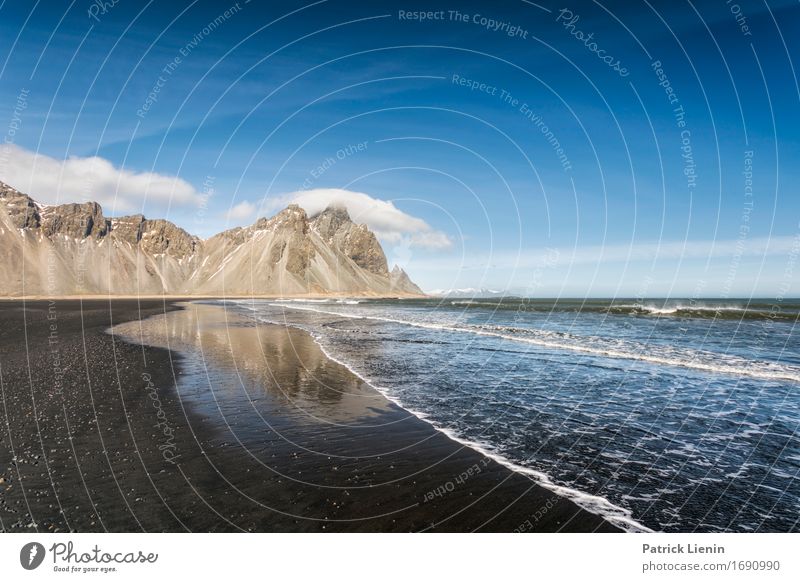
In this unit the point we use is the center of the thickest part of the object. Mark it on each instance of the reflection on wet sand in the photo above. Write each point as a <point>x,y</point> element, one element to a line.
<point>275,368</point>
<point>281,438</point>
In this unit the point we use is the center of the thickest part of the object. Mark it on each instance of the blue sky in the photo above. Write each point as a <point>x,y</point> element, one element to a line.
<point>495,148</point>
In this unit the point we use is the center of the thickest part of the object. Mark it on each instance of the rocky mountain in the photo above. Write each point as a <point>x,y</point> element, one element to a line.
<point>72,249</point>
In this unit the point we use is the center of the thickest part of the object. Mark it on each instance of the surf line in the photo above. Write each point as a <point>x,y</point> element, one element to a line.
<point>616,354</point>
<point>598,505</point>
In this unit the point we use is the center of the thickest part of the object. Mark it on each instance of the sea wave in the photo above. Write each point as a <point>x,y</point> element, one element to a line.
<point>296,300</point>
<point>777,311</point>
<point>588,401</point>
<point>330,301</point>
<point>661,355</point>
<point>706,311</point>
<point>619,516</point>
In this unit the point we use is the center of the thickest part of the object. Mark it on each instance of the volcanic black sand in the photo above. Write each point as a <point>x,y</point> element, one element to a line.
<point>237,427</point>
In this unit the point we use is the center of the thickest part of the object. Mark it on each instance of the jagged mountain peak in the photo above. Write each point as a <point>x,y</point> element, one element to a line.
<point>356,241</point>
<point>292,217</point>
<point>73,249</point>
<point>335,210</point>
<point>292,212</point>
<point>400,280</point>
<point>330,220</point>
<point>22,209</point>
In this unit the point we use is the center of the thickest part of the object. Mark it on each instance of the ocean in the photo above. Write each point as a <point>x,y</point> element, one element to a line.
<point>659,415</point>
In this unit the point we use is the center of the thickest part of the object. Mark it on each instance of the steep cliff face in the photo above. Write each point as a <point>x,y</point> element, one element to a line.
<point>22,210</point>
<point>400,281</point>
<point>72,249</point>
<point>355,241</point>
<point>74,221</point>
<point>160,236</point>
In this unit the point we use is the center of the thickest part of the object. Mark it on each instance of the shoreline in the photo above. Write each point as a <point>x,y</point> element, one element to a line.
<point>288,448</point>
<point>184,297</point>
<point>592,503</point>
<point>603,508</point>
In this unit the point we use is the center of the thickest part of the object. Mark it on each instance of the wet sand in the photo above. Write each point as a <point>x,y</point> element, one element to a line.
<point>189,418</point>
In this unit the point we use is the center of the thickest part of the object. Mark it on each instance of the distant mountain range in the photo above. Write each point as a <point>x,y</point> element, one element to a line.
<point>468,292</point>
<point>72,249</point>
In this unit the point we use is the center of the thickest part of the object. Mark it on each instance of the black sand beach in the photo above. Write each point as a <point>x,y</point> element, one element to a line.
<point>234,428</point>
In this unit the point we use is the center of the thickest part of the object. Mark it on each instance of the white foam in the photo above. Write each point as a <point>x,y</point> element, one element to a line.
<point>616,515</point>
<point>669,310</point>
<point>738,367</point>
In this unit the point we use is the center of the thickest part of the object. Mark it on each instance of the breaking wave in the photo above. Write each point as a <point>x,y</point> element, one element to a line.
<point>594,346</point>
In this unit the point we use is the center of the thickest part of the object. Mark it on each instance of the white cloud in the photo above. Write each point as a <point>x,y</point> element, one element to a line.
<point>52,181</point>
<point>244,212</point>
<point>388,222</point>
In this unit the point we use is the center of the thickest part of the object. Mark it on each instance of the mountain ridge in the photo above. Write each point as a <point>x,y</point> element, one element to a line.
<point>73,249</point>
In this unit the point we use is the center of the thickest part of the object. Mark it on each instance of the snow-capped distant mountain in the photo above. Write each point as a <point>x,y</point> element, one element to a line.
<point>469,292</point>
